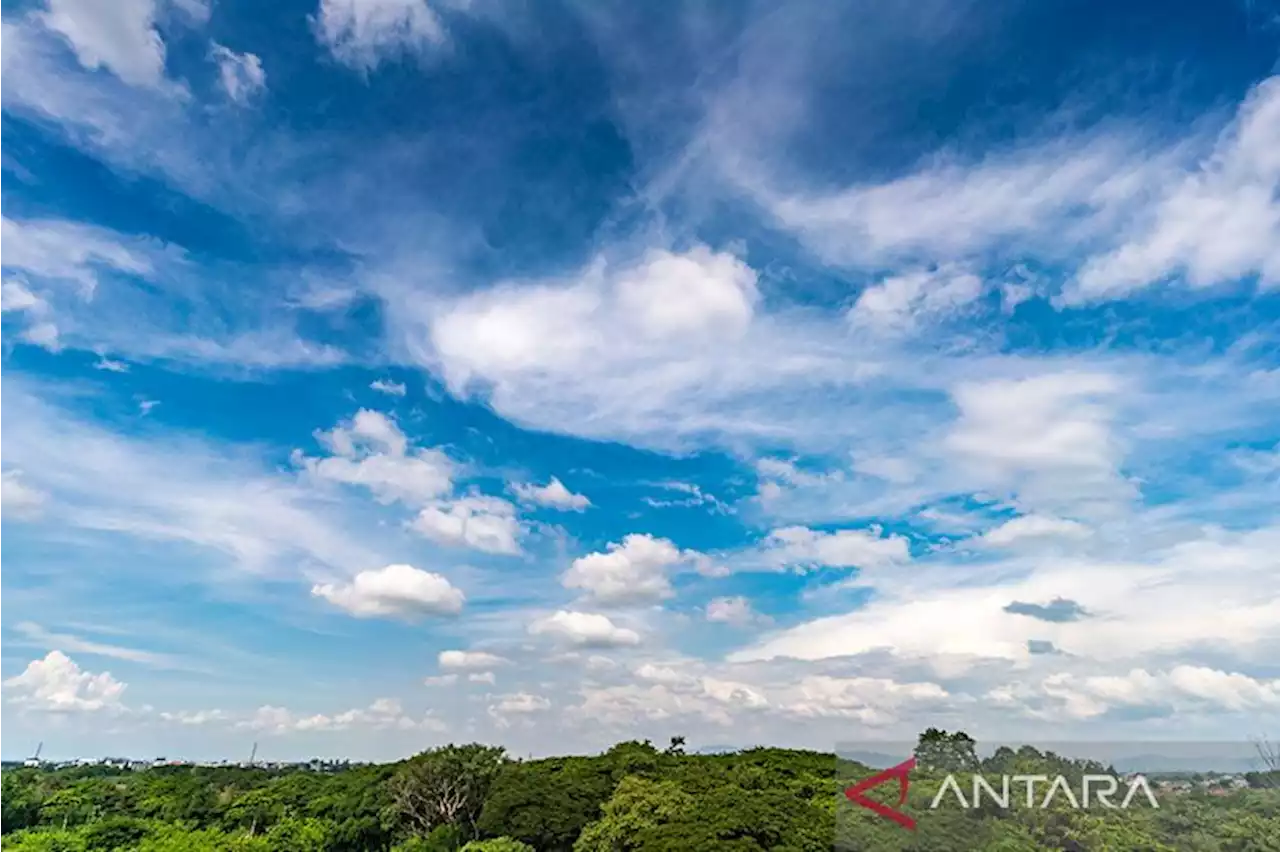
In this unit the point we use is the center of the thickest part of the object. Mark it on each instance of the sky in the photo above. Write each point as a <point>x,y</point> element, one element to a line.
<point>379,374</point>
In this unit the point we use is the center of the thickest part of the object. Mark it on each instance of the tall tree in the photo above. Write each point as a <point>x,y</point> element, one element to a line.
<point>446,786</point>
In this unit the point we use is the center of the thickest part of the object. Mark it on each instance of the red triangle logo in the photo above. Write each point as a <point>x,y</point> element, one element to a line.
<point>901,772</point>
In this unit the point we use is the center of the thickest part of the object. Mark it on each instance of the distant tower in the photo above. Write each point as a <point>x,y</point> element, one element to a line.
<point>253,754</point>
<point>34,760</point>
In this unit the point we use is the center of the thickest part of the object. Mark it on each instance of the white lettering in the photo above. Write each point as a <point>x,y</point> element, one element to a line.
<point>1060,782</point>
<point>1030,781</point>
<point>1104,796</point>
<point>1140,781</point>
<point>949,783</point>
<point>980,783</point>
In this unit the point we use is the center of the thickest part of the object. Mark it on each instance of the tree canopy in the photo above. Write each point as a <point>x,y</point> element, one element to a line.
<point>632,798</point>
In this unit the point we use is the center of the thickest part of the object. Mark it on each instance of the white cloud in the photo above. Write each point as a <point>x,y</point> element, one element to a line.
<point>631,572</point>
<point>110,366</point>
<point>468,660</point>
<point>1047,439</point>
<point>388,387</point>
<point>862,548</point>
<point>43,334</point>
<point>1184,689</point>
<point>588,630</point>
<point>1209,592</point>
<point>394,591</point>
<point>696,497</point>
<point>382,714</point>
<point>77,645</point>
<point>487,524</point>
<point>16,298</point>
<point>371,451</point>
<point>175,488</point>
<point>70,251</point>
<point>196,12</point>
<point>56,684</point>
<point>529,329</point>
<point>949,209</point>
<point>362,33</point>
<point>119,36</point>
<point>736,610</point>
<point>441,680</point>
<point>1219,222</point>
<point>553,495</point>
<point>195,718</point>
<point>523,702</point>
<point>241,74</point>
<point>900,302</point>
<point>18,499</point>
<point>1034,527</point>
<point>681,690</point>
<point>582,355</point>
<point>517,706</point>
<point>869,700</point>
<point>482,677</point>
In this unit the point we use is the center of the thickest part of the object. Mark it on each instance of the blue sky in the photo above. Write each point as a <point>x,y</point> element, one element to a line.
<point>383,373</point>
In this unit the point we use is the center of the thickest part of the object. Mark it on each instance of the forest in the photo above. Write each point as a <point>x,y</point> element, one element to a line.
<point>636,797</point>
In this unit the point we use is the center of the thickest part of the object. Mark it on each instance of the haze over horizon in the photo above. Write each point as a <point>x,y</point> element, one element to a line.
<point>386,373</point>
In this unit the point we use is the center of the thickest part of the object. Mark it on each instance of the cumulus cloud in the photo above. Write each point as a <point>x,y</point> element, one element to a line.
<point>364,33</point>
<point>868,700</point>
<point>56,684</point>
<point>468,660</point>
<point>388,387</point>
<point>488,524</point>
<point>383,713</point>
<point>1208,592</point>
<point>120,37</point>
<point>1184,689</point>
<point>664,298</point>
<point>610,352</point>
<point>398,591</point>
<point>517,706</point>
<point>584,629</point>
<point>863,548</point>
<point>902,301</point>
<point>690,690</point>
<point>631,572</point>
<point>371,451</point>
<point>240,74</point>
<point>553,495</point>
<point>1026,528</point>
<point>1048,440</point>
<point>736,610</point>
<point>195,718</point>
<point>521,702</point>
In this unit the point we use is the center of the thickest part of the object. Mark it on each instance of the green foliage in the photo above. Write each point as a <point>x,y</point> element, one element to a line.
<point>941,751</point>
<point>446,786</point>
<point>632,798</point>
<point>547,803</point>
<point>498,844</point>
<point>115,832</point>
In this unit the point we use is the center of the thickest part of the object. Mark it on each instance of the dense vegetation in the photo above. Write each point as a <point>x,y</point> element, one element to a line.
<point>634,797</point>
